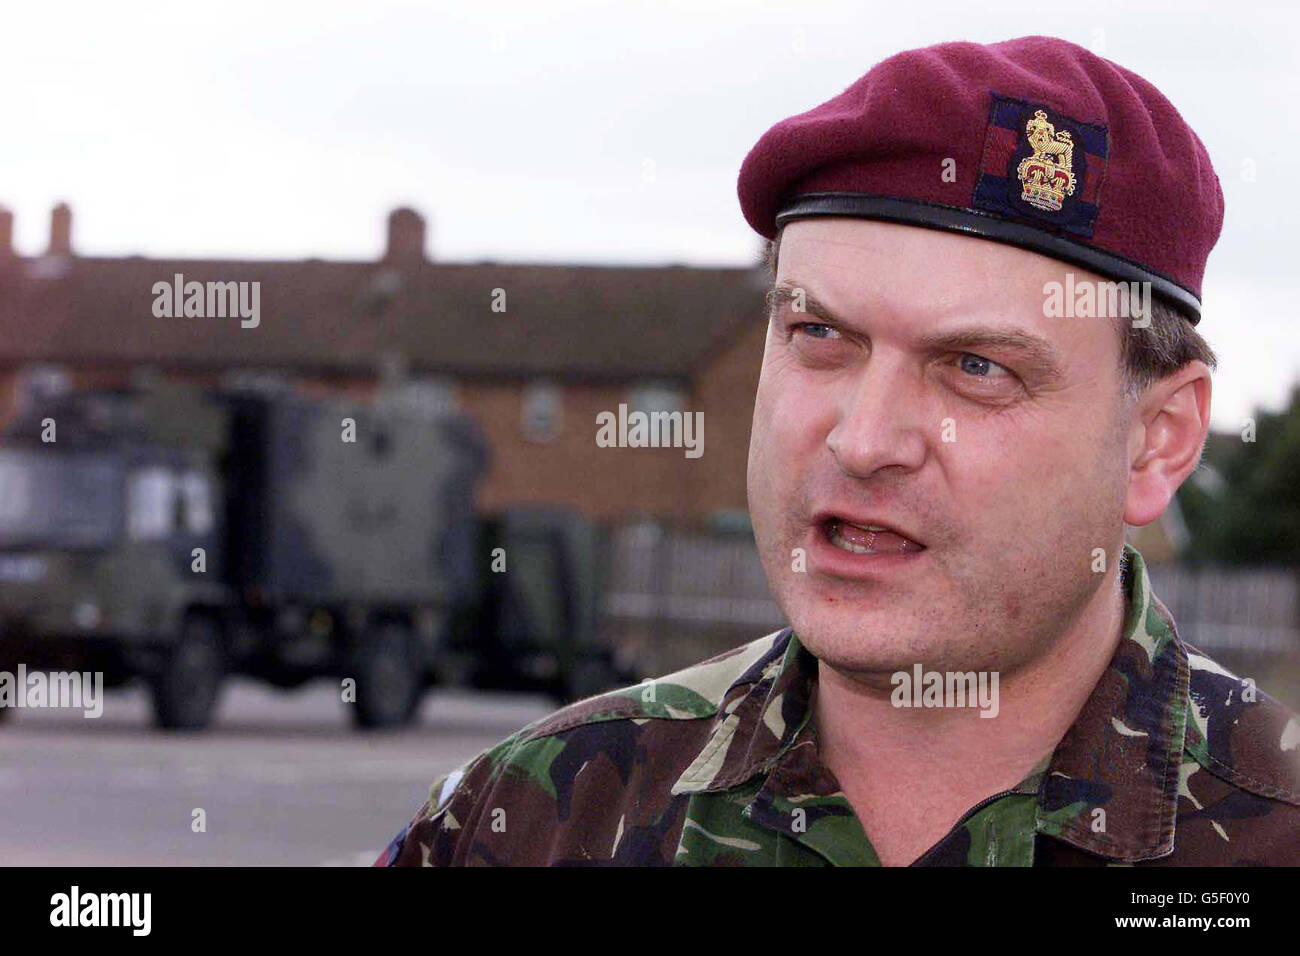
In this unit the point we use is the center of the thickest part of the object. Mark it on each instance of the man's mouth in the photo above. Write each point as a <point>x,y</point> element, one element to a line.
<point>867,538</point>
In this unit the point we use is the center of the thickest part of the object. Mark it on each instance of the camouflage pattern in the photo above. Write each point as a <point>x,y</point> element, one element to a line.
<point>380,510</point>
<point>718,764</point>
<point>298,515</point>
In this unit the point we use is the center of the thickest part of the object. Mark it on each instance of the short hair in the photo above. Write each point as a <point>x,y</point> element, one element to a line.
<point>1146,354</point>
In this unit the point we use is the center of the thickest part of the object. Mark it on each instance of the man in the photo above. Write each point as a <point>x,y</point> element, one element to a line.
<point>942,463</point>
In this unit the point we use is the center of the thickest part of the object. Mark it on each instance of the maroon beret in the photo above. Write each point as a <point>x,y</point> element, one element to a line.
<point>1034,142</point>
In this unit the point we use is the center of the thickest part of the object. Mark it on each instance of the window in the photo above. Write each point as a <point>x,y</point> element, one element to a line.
<point>197,495</point>
<point>656,397</point>
<point>58,499</point>
<point>543,416</point>
<point>39,383</point>
<point>426,396</point>
<point>151,504</point>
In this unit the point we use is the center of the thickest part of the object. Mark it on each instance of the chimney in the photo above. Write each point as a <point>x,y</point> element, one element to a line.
<point>6,233</point>
<point>61,230</point>
<point>405,237</point>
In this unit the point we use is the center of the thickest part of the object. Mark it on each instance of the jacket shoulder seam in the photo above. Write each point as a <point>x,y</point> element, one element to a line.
<point>1234,777</point>
<point>733,664</point>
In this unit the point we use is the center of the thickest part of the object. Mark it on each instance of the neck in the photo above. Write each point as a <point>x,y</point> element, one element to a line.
<point>911,772</point>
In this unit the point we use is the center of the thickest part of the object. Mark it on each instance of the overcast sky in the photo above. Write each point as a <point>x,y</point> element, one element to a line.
<point>573,131</point>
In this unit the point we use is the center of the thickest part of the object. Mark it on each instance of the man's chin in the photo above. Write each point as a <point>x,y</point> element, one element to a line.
<point>883,642</point>
<point>864,641</point>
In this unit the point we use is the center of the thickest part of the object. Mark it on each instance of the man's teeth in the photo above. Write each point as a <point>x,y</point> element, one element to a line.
<point>868,539</point>
<point>840,542</point>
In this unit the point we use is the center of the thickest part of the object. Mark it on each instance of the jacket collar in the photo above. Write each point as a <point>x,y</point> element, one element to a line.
<point>1110,788</point>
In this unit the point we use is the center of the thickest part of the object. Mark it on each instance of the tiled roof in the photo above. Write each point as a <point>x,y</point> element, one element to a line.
<point>572,321</point>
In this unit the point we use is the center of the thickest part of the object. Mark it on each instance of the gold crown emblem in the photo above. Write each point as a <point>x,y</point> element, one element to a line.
<point>1047,176</point>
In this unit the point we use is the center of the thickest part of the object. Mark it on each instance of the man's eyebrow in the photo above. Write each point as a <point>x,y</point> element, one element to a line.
<point>789,293</point>
<point>1036,350</point>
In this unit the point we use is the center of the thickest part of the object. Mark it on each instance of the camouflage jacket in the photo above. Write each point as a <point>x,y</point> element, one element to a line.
<point>1172,761</point>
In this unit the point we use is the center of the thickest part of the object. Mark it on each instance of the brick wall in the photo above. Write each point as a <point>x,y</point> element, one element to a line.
<point>570,469</point>
<point>725,390</point>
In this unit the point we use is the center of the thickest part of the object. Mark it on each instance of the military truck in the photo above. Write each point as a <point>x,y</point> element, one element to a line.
<point>179,536</point>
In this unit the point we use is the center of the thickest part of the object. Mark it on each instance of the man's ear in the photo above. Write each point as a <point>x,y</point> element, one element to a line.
<point>1166,436</point>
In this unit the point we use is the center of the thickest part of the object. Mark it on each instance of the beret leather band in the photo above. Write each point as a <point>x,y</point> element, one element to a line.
<point>937,216</point>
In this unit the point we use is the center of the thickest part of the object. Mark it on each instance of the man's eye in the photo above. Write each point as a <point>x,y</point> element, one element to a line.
<point>981,367</point>
<point>816,330</point>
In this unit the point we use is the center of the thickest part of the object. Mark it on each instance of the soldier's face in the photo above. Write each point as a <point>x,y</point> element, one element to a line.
<point>932,398</point>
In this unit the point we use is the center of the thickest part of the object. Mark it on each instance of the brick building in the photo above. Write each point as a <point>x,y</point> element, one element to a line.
<point>562,344</point>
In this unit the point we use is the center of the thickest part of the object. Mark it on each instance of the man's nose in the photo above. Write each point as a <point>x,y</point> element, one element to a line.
<point>882,420</point>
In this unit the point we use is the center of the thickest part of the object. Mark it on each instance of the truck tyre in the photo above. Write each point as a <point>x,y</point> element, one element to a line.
<point>186,688</point>
<point>388,680</point>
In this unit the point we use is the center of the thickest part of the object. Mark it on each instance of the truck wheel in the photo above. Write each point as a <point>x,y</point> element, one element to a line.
<point>388,681</point>
<point>186,689</point>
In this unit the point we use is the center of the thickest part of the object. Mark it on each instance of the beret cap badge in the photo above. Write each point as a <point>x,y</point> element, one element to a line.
<point>1041,165</point>
<point>1047,176</point>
